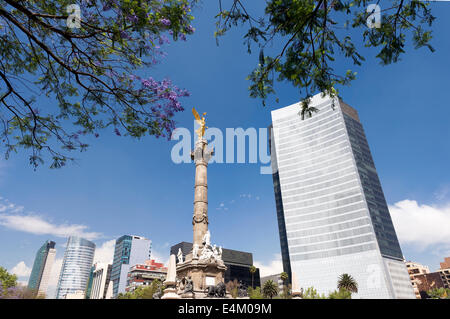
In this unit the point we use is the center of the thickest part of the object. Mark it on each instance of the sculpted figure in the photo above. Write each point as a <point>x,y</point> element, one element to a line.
<point>201,121</point>
<point>188,285</point>
<point>219,254</point>
<point>195,251</point>
<point>180,256</point>
<point>207,239</point>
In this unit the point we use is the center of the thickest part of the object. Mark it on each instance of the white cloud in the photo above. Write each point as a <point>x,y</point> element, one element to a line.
<point>21,270</point>
<point>105,253</point>
<point>35,224</point>
<point>160,257</point>
<point>11,217</point>
<point>275,266</point>
<point>443,192</point>
<point>421,225</point>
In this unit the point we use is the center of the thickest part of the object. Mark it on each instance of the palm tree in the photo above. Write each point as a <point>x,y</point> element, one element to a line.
<point>252,271</point>
<point>284,277</point>
<point>348,283</point>
<point>270,289</point>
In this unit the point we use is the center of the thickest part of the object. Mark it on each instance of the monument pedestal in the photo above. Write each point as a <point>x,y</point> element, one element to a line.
<point>203,272</point>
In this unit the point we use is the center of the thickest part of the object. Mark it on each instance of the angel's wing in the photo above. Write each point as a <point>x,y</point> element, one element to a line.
<point>197,117</point>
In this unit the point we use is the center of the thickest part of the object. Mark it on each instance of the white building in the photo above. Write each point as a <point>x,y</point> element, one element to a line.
<point>129,250</point>
<point>74,295</point>
<point>101,283</point>
<point>332,214</point>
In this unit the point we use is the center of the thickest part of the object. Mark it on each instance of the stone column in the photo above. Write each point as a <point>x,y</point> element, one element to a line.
<point>201,156</point>
<point>171,280</point>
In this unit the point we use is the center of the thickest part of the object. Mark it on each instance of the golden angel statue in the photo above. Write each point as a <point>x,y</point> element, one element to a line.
<point>201,121</point>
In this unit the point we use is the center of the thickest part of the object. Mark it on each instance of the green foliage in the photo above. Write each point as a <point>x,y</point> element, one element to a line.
<point>284,276</point>
<point>270,289</point>
<point>252,272</point>
<point>286,293</point>
<point>10,290</point>
<point>348,283</point>
<point>142,292</point>
<point>311,36</point>
<point>340,294</point>
<point>255,293</point>
<point>86,74</point>
<point>7,280</point>
<point>233,288</point>
<point>439,293</point>
<point>311,293</point>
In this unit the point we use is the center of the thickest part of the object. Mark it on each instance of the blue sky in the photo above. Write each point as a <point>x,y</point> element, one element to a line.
<point>123,186</point>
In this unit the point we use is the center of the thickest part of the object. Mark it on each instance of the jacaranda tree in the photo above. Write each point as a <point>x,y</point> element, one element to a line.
<point>84,57</point>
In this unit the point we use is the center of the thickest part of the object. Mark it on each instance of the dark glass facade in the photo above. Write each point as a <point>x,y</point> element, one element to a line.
<point>39,264</point>
<point>279,206</point>
<point>121,257</point>
<point>378,209</point>
<point>238,264</point>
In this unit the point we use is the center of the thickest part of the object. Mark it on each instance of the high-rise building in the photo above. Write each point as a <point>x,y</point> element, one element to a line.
<point>129,251</point>
<point>100,281</point>
<point>415,269</point>
<point>332,214</point>
<point>76,267</point>
<point>42,268</point>
<point>238,264</point>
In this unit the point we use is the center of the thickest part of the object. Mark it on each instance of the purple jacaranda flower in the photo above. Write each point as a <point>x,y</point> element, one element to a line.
<point>163,39</point>
<point>165,21</point>
<point>190,29</point>
<point>133,18</point>
<point>124,35</point>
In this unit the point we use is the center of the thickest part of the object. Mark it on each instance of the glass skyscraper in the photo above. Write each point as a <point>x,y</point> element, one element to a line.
<point>129,251</point>
<point>332,214</point>
<point>76,266</point>
<point>42,267</point>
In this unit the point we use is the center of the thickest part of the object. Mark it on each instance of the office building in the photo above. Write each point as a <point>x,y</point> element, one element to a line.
<point>415,269</point>
<point>332,214</point>
<point>129,250</point>
<point>145,274</point>
<point>74,295</point>
<point>100,282</point>
<point>42,267</point>
<point>76,267</point>
<point>238,264</point>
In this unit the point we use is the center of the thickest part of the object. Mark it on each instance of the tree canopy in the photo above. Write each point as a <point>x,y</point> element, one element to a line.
<point>315,33</point>
<point>7,280</point>
<point>68,71</point>
<point>85,58</point>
